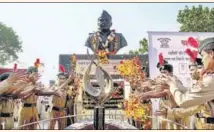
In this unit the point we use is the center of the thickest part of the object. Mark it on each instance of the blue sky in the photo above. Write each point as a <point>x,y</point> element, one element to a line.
<point>50,29</point>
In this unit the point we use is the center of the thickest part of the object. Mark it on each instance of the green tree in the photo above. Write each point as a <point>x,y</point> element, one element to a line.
<point>133,52</point>
<point>143,46</point>
<point>142,49</point>
<point>196,19</point>
<point>10,45</point>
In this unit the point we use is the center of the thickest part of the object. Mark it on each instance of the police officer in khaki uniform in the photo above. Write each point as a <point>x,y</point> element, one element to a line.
<point>160,91</point>
<point>165,101</point>
<point>184,114</point>
<point>6,100</point>
<point>203,91</point>
<point>59,103</point>
<point>28,112</point>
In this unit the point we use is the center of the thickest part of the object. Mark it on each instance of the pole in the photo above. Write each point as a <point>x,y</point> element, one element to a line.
<point>99,118</point>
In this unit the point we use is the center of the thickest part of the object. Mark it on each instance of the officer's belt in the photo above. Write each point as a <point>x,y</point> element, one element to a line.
<point>6,97</point>
<point>57,108</point>
<point>6,114</point>
<point>29,104</point>
<point>209,120</point>
<point>44,102</point>
<point>146,102</point>
<point>70,97</point>
<point>164,98</point>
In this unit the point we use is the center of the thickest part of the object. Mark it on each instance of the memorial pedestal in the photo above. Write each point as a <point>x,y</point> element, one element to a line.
<point>108,125</point>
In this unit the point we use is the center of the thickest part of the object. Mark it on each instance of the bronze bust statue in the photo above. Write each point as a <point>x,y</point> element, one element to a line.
<point>105,39</point>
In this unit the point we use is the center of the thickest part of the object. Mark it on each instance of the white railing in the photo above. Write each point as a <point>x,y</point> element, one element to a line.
<point>90,118</point>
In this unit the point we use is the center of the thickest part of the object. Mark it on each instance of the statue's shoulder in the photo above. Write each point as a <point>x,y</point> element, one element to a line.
<point>89,40</point>
<point>119,34</point>
<point>91,34</point>
<point>94,33</point>
<point>121,39</point>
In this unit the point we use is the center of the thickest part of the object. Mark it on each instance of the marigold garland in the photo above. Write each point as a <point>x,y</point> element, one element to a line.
<point>134,109</point>
<point>102,57</point>
<point>137,111</point>
<point>73,61</point>
<point>131,69</point>
<point>103,54</point>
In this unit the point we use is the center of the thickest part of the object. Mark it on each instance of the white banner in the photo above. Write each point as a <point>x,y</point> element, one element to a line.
<point>82,66</point>
<point>172,45</point>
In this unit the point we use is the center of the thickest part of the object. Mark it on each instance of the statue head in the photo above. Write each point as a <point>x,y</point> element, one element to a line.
<point>104,21</point>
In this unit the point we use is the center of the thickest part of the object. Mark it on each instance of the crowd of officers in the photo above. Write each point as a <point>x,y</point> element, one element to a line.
<point>21,87</point>
<point>191,107</point>
<point>186,108</point>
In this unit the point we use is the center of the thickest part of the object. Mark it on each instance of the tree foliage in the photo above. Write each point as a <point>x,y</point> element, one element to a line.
<point>196,19</point>
<point>10,45</point>
<point>133,52</point>
<point>142,49</point>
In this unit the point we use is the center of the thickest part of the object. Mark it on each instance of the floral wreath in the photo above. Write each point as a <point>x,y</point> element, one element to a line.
<point>103,54</point>
<point>131,69</point>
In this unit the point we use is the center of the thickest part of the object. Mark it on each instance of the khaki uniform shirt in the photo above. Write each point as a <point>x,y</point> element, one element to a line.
<point>200,94</point>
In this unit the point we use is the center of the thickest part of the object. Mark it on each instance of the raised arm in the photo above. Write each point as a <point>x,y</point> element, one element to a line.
<point>4,86</point>
<point>19,87</point>
<point>65,84</point>
<point>8,83</point>
<point>46,92</point>
<point>153,94</point>
<point>181,112</point>
<point>28,90</point>
<point>200,93</point>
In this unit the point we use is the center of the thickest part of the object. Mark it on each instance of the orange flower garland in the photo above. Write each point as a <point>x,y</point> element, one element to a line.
<point>131,69</point>
<point>73,61</point>
<point>137,111</point>
<point>134,109</point>
<point>103,54</point>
